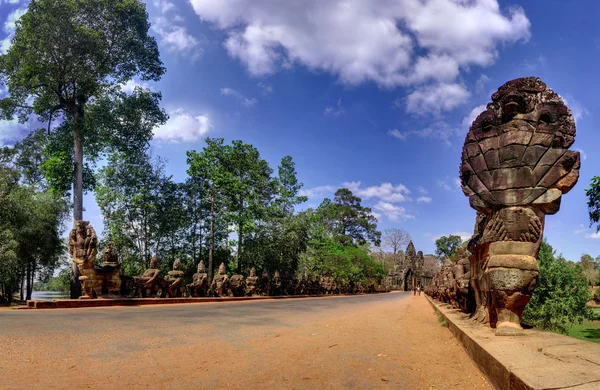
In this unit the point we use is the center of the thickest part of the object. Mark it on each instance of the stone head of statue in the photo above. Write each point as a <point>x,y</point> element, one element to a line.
<point>154,262</point>
<point>222,269</point>
<point>177,265</point>
<point>265,274</point>
<point>201,267</point>
<point>81,226</point>
<point>516,152</point>
<point>252,272</point>
<point>276,275</point>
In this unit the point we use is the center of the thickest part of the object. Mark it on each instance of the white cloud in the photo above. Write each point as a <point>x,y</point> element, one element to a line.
<point>593,235</point>
<point>390,43</point>
<point>317,192</point>
<point>248,102</point>
<point>469,119</point>
<point>11,131</point>
<point>131,84</point>
<point>10,26</point>
<point>481,82</point>
<point>163,6</point>
<point>335,111</point>
<point>437,130</point>
<point>183,127</point>
<point>175,38</point>
<point>267,89</point>
<point>385,191</point>
<point>433,99</point>
<point>464,236</point>
<point>424,199</point>
<point>392,212</point>
<point>422,190</point>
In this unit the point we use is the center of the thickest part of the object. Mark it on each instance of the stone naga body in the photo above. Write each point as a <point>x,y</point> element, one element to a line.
<point>515,167</point>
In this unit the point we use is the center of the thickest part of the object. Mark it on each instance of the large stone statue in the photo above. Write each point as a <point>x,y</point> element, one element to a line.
<point>148,284</point>
<point>251,282</point>
<point>264,283</point>
<point>174,283</point>
<point>199,285</point>
<point>276,284</point>
<point>83,248</point>
<point>236,286</point>
<point>220,282</point>
<point>462,276</point>
<point>515,167</point>
<point>110,256</point>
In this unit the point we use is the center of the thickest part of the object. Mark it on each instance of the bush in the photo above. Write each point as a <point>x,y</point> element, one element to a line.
<point>561,294</point>
<point>597,295</point>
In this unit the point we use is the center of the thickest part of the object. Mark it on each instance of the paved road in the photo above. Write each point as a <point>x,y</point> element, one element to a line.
<point>367,341</point>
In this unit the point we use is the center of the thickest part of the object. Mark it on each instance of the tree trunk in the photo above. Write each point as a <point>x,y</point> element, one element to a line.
<point>30,277</point>
<point>22,292</point>
<point>240,237</point>
<point>78,167</point>
<point>212,236</point>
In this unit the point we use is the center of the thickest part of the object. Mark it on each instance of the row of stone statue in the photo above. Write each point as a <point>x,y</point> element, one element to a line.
<point>106,280</point>
<point>515,168</point>
<point>150,284</point>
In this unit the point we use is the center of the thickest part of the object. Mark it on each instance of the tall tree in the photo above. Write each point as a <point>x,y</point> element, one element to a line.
<point>68,58</point>
<point>250,190</point>
<point>141,206</point>
<point>396,239</point>
<point>347,219</point>
<point>593,196</point>
<point>446,246</point>
<point>288,187</point>
<point>208,169</point>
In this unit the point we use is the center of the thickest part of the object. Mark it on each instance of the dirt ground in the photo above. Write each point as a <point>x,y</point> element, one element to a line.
<point>385,344</point>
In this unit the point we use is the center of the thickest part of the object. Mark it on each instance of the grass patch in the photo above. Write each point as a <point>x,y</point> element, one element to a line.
<point>588,330</point>
<point>441,320</point>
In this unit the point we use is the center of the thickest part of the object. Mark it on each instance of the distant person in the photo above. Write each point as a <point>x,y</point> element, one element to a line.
<point>414,290</point>
<point>419,290</point>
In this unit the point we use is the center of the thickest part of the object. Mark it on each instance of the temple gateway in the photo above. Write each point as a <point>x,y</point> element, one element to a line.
<point>409,271</point>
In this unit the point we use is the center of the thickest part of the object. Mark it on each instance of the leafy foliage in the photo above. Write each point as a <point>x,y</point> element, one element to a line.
<point>593,195</point>
<point>446,246</point>
<point>560,296</point>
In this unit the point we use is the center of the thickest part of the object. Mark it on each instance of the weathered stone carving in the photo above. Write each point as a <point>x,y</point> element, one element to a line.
<point>148,284</point>
<point>251,283</point>
<point>236,286</point>
<point>276,284</point>
<point>110,256</point>
<point>174,283</point>
<point>199,285</point>
<point>83,248</point>
<point>220,282</point>
<point>515,167</point>
<point>264,283</point>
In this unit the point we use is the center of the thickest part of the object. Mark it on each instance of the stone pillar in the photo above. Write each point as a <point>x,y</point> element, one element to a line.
<point>515,167</point>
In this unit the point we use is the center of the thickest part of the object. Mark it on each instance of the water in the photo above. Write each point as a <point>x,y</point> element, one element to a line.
<point>48,295</point>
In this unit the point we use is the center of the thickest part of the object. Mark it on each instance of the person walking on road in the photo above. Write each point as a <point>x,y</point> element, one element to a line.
<point>419,290</point>
<point>414,291</point>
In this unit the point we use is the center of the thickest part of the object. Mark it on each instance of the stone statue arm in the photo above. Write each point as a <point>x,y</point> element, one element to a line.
<point>152,279</point>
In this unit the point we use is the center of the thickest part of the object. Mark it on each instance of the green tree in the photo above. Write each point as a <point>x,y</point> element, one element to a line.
<point>250,189</point>
<point>561,294</point>
<point>70,58</point>
<point>593,196</point>
<point>142,208</point>
<point>348,220</point>
<point>589,269</point>
<point>207,168</point>
<point>446,246</point>
<point>288,187</point>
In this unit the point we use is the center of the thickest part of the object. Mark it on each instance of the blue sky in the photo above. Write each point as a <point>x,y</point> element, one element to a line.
<point>374,95</point>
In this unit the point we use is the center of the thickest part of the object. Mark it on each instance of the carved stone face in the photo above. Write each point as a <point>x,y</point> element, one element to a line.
<point>201,267</point>
<point>81,227</point>
<point>252,272</point>
<point>222,270</point>
<point>110,245</point>
<point>515,153</point>
<point>265,274</point>
<point>154,262</point>
<point>276,275</point>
